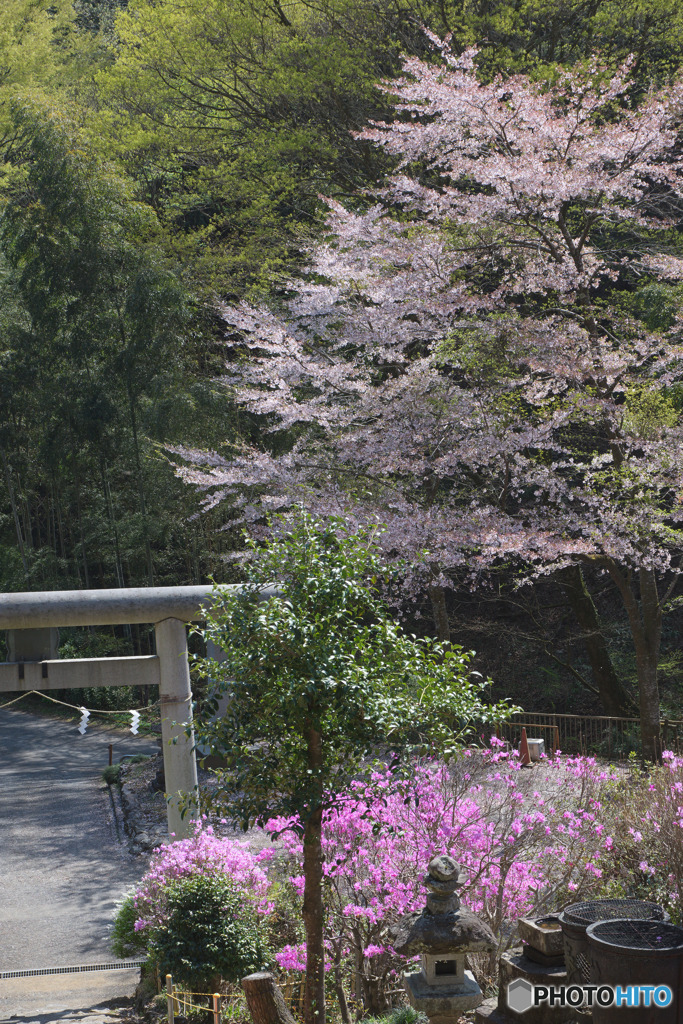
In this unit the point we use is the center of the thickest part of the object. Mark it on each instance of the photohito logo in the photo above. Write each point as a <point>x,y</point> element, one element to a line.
<point>522,995</point>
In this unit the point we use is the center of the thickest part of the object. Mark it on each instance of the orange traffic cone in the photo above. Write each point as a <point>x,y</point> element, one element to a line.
<point>524,750</point>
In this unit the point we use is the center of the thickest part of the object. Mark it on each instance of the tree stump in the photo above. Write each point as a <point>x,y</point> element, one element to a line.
<point>265,1000</point>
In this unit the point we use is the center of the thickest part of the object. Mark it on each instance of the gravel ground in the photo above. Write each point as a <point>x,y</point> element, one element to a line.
<point>62,868</point>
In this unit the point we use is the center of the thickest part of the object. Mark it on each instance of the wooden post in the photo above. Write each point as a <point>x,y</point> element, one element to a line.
<point>216,1008</point>
<point>169,999</point>
<point>557,740</point>
<point>264,999</point>
<point>524,749</point>
<point>111,754</point>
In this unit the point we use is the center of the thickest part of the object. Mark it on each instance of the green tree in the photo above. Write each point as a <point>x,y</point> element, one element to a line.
<point>320,680</point>
<point>104,354</point>
<point>234,117</point>
<point>33,54</point>
<point>98,328</point>
<point>530,35</point>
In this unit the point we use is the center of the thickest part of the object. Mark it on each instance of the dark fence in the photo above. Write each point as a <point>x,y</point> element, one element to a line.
<point>598,735</point>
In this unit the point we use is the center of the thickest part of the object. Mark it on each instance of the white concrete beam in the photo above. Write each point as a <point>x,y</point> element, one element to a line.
<point>108,607</point>
<point>101,607</point>
<point>66,673</point>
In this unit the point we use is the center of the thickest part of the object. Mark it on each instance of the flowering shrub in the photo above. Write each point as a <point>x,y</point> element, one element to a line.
<point>528,841</point>
<point>644,853</point>
<point>523,851</point>
<point>203,853</point>
<point>198,911</point>
<point>125,940</point>
<point>663,826</point>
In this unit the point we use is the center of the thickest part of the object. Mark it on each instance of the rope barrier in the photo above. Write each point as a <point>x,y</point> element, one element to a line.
<point>10,702</point>
<point>77,707</point>
<point>86,712</point>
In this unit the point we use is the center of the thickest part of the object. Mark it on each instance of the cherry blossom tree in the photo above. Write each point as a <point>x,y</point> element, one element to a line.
<point>456,362</point>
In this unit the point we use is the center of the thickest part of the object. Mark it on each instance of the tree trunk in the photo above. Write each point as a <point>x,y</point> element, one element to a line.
<point>84,555</point>
<point>141,487</point>
<point>650,728</point>
<point>647,661</point>
<point>313,911</point>
<point>128,352</point>
<point>645,620</point>
<point>60,523</point>
<point>265,1000</point>
<point>339,985</point>
<point>15,513</point>
<point>112,522</point>
<point>613,695</point>
<point>437,595</point>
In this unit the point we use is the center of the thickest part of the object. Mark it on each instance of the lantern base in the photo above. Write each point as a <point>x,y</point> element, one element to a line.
<point>443,1004</point>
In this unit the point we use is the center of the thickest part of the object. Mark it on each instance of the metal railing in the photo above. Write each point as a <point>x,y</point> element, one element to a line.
<point>599,735</point>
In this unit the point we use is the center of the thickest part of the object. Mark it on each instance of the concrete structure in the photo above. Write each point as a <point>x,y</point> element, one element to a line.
<point>541,963</point>
<point>31,621</point>
<point>536,748</point>
<point>542,939</point>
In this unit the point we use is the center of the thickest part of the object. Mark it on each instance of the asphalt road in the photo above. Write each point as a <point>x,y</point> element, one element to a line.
<point>61,867</point>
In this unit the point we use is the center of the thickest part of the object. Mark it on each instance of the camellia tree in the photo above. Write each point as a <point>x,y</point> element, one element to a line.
<point>319,681</point>
<point>487,358</point>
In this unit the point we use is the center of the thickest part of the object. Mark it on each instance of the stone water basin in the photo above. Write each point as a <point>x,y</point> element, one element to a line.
<point>542,933</point>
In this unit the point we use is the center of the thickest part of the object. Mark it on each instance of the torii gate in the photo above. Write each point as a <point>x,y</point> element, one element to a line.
<point>169,608</point>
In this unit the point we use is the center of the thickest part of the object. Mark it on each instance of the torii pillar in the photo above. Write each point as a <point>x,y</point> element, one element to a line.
<point>175,696</point>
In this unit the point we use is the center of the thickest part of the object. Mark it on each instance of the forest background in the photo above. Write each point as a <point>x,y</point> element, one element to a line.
<point>163,160</point>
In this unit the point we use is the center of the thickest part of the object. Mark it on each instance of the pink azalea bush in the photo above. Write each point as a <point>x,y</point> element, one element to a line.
<point>523,850</point>
<point>529,841</point>
<point>203,853</point>
<point>645,853</point>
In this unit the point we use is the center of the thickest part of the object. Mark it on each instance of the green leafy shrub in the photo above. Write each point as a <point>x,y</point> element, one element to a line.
<point>209,935</point>
<point>112,774</point>
<point>125,941</point>
<point>285,923</point>
<point>401,1015</point>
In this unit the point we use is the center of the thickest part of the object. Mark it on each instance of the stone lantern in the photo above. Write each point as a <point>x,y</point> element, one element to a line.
<point>443,934</point>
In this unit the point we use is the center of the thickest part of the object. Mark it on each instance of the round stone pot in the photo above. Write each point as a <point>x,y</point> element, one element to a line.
<point>628,952</point>
<point>576,918</point>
